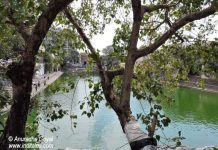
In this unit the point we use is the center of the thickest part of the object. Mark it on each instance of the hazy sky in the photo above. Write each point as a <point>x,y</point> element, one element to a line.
<point>102,40</point>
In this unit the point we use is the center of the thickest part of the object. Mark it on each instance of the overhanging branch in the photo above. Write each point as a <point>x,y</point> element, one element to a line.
<point>118,72</point>
<point>107,86</point>
<point>43,24</point>
<point>174,28</point>
<point>168,22</point>
<point>114,73</point>
<point>79,30</point>
<point>84,38</point>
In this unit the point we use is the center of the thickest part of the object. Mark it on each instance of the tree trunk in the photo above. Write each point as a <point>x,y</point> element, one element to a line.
<point>135,135</point>
<point>21,76</point>
<point>21,73</point>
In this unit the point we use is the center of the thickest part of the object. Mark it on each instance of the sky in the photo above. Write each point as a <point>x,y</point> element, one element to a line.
<point>100,41</point>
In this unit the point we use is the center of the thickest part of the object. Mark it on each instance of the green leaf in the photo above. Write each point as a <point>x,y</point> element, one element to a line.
<point>158,137</point>
<point>178,143</point>
<point>73,116</point>
<point>179,132</point>
<point>81,107</point>
<point>89,115</point>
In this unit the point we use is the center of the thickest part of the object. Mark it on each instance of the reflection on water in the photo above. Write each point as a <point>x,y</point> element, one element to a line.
<point>194,113</point>
<point>102,131</point>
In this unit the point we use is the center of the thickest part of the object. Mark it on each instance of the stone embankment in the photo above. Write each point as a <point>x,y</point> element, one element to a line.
<point>39,84</point>
<point>209,85</point>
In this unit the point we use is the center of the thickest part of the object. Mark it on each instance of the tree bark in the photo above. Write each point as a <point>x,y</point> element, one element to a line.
<point>129,64</point>
<point>125,111</point>
<point>121,104</point>
<point>21,76</point>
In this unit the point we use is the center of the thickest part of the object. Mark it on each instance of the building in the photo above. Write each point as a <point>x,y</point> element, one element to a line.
<point>84,57</point>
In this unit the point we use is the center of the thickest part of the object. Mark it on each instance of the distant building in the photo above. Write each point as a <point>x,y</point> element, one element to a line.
<point>40,64</point>
<point>72,55</point>
<point>108,62</point>
<point>40,67</point>
<point>84,59</point>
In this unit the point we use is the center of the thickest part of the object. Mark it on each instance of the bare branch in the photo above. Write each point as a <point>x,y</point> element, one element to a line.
<point>174,28</point>
<point>106,83</point>
<point>85,39</point>
<point>167,20</point>
<point>158,26</point>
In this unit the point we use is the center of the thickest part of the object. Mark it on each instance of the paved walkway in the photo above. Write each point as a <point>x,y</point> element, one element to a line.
<point>42,82</point>
<point>39,84</point>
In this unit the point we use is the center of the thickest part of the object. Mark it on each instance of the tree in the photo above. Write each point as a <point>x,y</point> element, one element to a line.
<point>32,22</point>
<point>108,50</point>
<point>200,58</point>
<point>71,55</point>
<point>154,23</point>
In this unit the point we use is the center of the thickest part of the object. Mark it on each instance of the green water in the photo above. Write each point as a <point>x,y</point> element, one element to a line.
<point>195,105</point>
<point>194,113</point>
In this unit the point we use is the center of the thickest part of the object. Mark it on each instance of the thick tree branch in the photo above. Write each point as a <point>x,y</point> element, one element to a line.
<point>174,28</point>
<point>118,72</point>
<point>137,18</point>
<point>114,73</point>
<point>130,61</point>
<point>168,22</point>
<point>129,64</point>
<point>20,26</point>
<point>85,39</point>
<point>107,85</point>
<point>21,75</point>
<point>44,23</point>
<point>153,125</point>
<point>164,5</point>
